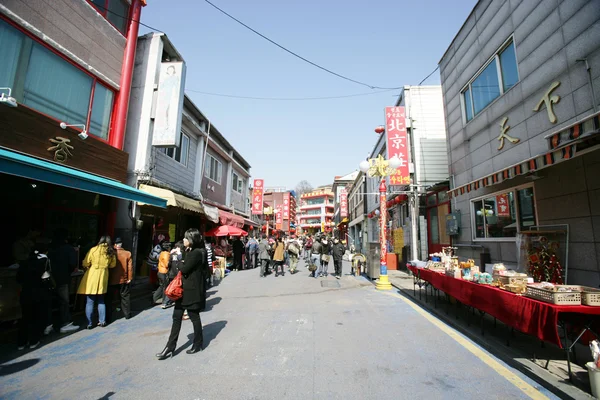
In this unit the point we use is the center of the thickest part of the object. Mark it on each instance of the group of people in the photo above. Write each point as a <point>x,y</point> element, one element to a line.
<point>319,250</point>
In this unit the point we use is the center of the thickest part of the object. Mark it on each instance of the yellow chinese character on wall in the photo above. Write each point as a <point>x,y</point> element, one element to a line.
<point>61,149</point>
<point>549,101</point>
<point>503,129</point>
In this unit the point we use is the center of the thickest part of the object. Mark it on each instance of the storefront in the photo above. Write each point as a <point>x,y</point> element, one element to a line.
<point>437,209</point>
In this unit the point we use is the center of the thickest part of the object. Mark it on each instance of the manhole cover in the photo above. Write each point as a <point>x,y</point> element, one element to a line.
<point>330,284</point>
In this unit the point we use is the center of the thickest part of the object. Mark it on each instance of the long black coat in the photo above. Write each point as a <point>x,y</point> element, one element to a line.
<point>194,268</point>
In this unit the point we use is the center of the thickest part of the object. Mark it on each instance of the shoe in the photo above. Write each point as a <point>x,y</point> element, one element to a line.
<point>337,277</point>
<point>194,350</point>
<point>128,317</point>
<point>48,330</point>
<point>282,274</point>
<point>90,326</point>
<point>33,346</point>
<point>69,328</point>
<point>102,324</point>
<point>166,353</point>
<point>21,347</point>
<point>164,306</point>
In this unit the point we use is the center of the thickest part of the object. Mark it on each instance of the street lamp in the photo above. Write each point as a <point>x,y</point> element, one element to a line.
<point>380,167</point>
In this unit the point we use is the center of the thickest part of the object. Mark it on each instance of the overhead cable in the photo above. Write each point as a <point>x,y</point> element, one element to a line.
<point>288,98</point>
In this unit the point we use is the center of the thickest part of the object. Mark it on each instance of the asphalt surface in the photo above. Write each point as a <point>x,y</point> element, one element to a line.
<point>271,338</point>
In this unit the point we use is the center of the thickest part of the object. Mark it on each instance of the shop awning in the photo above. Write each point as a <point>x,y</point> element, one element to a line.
<point>564,144</point>
<point>174,199</point>
<point>250,222</point>
<point>343,222</point>
<point>212,213</point>
<point>18,164</point>
<point>227,218</point>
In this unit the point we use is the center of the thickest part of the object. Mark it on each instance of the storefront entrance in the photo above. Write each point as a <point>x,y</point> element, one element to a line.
<point>438,207</point>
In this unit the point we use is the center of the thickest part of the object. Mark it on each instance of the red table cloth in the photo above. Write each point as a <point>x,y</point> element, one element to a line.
<point>527,315</point>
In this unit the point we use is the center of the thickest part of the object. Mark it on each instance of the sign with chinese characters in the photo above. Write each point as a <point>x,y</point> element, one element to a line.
<point>396,143</point>
<point>257,196</point>
<point>502,205</point>
<point>279,216</point>
<point>286,206</point>
<point>343,204</point>
<point>549,101</point>
<point>169,104</point>
<point>61,148</point>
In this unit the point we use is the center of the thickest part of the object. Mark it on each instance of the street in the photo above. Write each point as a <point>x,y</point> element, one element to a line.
<point>272,338</point>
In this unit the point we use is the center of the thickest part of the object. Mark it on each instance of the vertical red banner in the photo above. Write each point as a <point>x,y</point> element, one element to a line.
<point>502,205</point>
<point>257,196</point>
<point>286,206</point>
<point>279,216</point>
<point>396,143</point>
<point>343,204</point>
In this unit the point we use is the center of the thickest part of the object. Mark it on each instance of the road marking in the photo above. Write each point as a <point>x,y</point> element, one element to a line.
<point>510,376</point>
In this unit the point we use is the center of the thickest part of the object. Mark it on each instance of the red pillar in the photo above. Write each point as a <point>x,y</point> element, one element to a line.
<point>122,102</point>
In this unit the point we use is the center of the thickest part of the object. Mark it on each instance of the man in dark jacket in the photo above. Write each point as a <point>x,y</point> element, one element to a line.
<point>63,258</point>
<point>238,251</point>
<point>338,254</point>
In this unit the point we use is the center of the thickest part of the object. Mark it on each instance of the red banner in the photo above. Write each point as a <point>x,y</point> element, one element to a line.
<point>343,204</point>
<point>257,197</point>
<point>502,205</point>
<point>279,216</point>
<point>286,206</point>
<point>396,143</point>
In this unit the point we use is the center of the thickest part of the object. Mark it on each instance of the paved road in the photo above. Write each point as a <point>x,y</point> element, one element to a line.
<point>272,338</point>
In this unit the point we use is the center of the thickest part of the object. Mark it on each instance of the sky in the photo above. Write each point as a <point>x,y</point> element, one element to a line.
<point>384,43</point>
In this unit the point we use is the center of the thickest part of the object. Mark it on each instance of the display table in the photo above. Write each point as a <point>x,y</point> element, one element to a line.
<point>530,316</point>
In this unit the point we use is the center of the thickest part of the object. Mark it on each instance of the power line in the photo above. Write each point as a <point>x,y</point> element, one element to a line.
<point>288,98</point>
<point>297,55</point>
<point>127,18</point>
<point>436,68</point>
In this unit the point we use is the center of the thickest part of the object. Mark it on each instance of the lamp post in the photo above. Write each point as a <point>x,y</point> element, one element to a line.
<point>380,167</point>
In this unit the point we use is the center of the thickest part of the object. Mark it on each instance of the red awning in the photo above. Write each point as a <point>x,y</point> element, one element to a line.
<point>227,218</point>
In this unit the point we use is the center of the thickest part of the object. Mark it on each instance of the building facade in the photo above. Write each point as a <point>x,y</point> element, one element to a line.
<point>340,185</point>
<point>521,83</point>
<point>286,199</point>
<point>358,211</point>
<point>316,210</point>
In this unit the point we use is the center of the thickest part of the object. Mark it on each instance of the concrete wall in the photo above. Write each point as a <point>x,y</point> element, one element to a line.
<point>174,173</point>
<point>217,192</point>
<point>240,200</point>
<point>549,37</point>
<point>75,29</point>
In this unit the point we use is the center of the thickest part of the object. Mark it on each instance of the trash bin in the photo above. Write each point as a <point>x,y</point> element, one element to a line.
<point>594,378</point>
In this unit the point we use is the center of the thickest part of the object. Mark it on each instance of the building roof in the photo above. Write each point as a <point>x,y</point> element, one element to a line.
<point>461,28</point>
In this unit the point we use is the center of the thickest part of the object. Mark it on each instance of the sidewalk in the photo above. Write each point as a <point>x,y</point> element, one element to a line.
<point>544,363</point>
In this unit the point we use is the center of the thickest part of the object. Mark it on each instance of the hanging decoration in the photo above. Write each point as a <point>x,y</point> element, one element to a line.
<point>544,265</point>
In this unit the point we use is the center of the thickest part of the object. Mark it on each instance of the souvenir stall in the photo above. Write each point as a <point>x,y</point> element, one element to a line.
<point>222,250</point>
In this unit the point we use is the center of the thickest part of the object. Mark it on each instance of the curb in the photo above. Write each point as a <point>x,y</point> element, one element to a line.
<point>550,382</point>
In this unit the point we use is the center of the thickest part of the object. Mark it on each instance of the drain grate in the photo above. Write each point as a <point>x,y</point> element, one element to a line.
<point>330,284</point>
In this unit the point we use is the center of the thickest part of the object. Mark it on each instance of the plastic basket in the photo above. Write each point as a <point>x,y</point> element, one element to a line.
<point>590,296</point>
<point>554,296</point>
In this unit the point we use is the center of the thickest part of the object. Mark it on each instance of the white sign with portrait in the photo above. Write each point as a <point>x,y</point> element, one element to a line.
<point>169,105</point>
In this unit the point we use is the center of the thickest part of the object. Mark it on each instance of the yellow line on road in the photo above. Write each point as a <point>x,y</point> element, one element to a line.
<point>482,355</point>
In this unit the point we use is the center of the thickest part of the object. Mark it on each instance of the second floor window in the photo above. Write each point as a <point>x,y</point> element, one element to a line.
<point>180,153</point>
<point>499,75</point>
<point>115,11</point>
<point>48,83</point>
<point>238,183</point>
<point>213,169</point>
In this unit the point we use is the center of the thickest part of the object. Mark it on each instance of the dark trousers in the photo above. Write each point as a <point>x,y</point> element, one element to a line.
<point>337,265</point>
<point>237,261</point>
<point>163,282</point>
<point>277,265</point>
<point>264,266</point>
<point>123,292</point>
<point>176,327</point>
<point>33,321</point>
<point>63,304</point>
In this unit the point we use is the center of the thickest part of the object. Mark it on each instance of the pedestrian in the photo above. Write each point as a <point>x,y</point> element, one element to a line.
<point>315,257</point>
<point>263,255</point>
<point>94,283</point>
<point>238,251</point>
<point>209,257</point>
<point>63,258</point>
<point>293,250</point>
<point>34,297</point>
<point>163,269</point>
<point>279,257</point>
<point>338,252</point>
<point>307,248</point>
<point>193,268</point>
<point>325,255</point>
<point>119,281</point>
<point>252,250</point>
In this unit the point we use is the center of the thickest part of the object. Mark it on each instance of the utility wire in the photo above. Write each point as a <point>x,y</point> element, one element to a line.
<point>288,98</point>
<point>297,55</point>
<point>127,18</point>
<point>427,77</point>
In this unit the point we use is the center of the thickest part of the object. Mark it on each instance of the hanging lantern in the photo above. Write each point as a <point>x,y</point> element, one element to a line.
<point>380,129</point>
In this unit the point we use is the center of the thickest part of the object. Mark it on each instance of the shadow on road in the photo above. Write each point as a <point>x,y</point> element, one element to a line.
<point>209,332</point>
<point>210,303</point>
<point>8,369</point>
<point>107,396</point>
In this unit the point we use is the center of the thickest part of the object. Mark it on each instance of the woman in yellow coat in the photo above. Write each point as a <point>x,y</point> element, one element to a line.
<point>94,283</point>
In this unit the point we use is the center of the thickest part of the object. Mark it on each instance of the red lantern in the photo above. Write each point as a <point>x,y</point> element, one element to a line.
<point>251,227</point>
<point>398,200</point>
<point>380,129</point>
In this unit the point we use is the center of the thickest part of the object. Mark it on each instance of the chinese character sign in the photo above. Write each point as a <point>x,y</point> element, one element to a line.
<point>343,204</point>
<point>279,216</point>
<point>503,205</point>
<point>286,206</point>
<point>397,144</point>
<point>257,197</point>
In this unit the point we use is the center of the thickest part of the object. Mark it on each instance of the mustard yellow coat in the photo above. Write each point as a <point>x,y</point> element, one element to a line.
<point>95,278</point>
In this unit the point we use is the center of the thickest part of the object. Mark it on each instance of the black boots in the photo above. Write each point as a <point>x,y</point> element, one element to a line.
<point>194,349</point>
<point>166,353</point>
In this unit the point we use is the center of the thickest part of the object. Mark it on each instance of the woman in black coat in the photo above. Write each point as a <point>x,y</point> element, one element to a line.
<point>193,268</point>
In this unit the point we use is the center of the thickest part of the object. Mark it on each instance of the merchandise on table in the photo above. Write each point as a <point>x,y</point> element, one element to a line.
<point>555,294</point>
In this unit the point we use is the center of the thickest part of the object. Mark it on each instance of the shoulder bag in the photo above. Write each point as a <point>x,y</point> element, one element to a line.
<point>175,289</point>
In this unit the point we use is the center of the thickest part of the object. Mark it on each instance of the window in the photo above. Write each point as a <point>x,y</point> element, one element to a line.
<point>312,202</point>
<point>46,82</point>
<point>115,11</point>
<point>213,169</point>
<point>499,75</point>
<point>503,214</point>
<point>180,153</point>
<point>315,211</point>
<point>238,183</point>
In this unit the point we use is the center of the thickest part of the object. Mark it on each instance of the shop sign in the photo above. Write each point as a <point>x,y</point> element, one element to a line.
<point>62,149</point>
<point>503,135</point>
<point>279,216</point>
<point>169,104</point>
<point>257,196</point>
<point>396,143</point>
<point>286,206</point>
<point>343,204</point>
<point>503,209</point>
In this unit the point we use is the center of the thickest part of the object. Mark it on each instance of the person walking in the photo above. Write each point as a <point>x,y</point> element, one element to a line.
<point>119,281</point>
<point>163,269</point>
<point>293,249</point>
<point>307,248</point>
<point>264,256</point>
<point>63,258</point>
<point>252,250</point>
<point>279,257</point>
<point>315,257</point>
<point>193,268</point>
<point>94,283</point>
<point>338,252</point>
<point>325,255</point>
<point>238,251</point>
<point>210,258</point>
